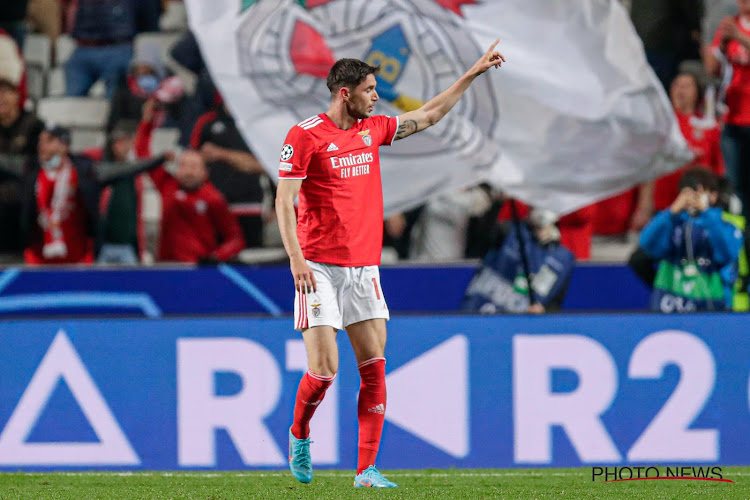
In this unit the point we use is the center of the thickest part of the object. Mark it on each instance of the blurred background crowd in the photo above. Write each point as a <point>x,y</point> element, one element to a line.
<point>117,148</point>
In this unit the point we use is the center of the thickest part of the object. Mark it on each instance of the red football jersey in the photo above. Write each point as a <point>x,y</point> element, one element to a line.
<point>340,212</point>
<point>704,142</point>
<point>738,90</point>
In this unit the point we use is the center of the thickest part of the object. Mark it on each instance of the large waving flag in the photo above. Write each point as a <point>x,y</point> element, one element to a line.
<point>575,114</point>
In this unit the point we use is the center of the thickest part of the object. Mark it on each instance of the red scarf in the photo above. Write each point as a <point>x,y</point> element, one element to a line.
<point>55,197</point>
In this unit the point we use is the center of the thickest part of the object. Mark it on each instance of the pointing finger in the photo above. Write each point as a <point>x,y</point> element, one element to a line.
<point>492,47</point>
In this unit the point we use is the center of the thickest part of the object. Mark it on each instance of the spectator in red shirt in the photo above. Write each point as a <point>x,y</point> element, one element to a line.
<point>196,224</point>
<point>730,54</point>
<point>234,170</point>
<point>633,209</point>
<point>702,135</point>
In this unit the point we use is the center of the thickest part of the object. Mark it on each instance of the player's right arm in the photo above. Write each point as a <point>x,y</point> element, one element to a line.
<point>286,193</point>
<point>295,157</point>
<point>436,108</point>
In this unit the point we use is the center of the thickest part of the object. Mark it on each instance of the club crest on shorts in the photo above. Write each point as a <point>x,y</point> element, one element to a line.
<point>316,310</point>
<point>366,137</point>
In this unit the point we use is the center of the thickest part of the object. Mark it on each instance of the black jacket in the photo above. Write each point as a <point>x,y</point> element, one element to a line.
<point>91,180</point>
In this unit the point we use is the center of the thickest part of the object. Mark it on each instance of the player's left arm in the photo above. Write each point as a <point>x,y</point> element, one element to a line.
<point>436,108</point>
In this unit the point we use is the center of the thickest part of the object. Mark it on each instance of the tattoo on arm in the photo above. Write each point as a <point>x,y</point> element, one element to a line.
<point>406,129</point>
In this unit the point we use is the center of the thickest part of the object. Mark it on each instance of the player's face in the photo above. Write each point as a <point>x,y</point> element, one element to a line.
<point>191,172</point>
<point>744,6</point>
<point>684,92</point>
<point>362,98</point>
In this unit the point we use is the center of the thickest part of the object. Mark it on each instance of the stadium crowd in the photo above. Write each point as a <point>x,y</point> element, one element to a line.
<point>116,147</point>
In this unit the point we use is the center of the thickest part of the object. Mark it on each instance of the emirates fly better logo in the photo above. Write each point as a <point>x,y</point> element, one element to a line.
<point>421,46</point>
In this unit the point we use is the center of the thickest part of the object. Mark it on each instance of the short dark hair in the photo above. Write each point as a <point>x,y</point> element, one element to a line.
<point>349,73</point>
<point>699,176</point>
<point>59,132</point>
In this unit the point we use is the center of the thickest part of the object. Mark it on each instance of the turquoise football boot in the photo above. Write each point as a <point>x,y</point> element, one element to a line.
<point>371,478</point>
<point>300,462</point>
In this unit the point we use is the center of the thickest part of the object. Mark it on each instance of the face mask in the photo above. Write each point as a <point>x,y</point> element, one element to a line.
<point>53,162</point>
<point>148,83</point>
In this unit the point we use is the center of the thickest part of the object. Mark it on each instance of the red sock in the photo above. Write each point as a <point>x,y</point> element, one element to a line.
<point>311,390</point>
<point>370,410</point>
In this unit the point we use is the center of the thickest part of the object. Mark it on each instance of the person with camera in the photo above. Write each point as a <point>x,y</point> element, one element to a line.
<point>526,252</point>
<point>692,243</point>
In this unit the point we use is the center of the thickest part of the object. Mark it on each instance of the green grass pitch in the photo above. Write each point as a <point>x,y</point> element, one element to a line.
<point>423,484</point>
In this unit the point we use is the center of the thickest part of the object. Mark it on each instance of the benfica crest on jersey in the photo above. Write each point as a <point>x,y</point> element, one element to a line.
<point>366,137</point>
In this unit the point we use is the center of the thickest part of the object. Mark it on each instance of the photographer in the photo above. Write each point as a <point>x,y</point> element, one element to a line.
<point>692,243</point>
<point>533,246</point>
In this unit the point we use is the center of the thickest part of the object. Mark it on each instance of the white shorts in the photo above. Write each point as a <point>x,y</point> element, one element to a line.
<point>344,295</point>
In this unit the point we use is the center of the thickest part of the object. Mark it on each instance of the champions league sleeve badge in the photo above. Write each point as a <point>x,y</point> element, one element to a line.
<point>286,152</point>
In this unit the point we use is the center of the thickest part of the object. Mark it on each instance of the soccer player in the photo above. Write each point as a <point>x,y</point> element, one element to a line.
<point>334,244</point>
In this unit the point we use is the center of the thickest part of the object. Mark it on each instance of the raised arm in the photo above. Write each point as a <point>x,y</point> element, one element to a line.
<point>436,108</point>
<point>286,192</point>
<point>243,161</point>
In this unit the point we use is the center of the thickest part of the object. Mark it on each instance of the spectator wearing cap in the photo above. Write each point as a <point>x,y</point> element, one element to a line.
<point>104,32</point>
<point>234,170</point>
<point>147,80</point>
<point>60,204</point>
<point>19,134</point>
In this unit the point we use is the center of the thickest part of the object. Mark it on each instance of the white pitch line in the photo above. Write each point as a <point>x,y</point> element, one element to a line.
<point>284,474</point>
<point>188,474</point>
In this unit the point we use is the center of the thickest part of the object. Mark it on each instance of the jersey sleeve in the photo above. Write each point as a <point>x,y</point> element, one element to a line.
<point>387,126</point>
<point>295,154</point>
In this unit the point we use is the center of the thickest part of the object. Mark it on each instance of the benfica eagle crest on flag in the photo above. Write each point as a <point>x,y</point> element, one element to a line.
<point>288,53</point>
